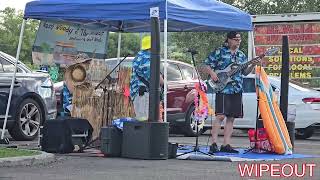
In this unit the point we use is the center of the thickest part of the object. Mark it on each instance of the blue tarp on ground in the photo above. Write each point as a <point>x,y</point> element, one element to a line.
<point>134,15</point>
<point>242,156</point>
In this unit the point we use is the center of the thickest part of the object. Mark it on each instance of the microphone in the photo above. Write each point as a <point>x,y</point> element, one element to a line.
<point>192,51</point>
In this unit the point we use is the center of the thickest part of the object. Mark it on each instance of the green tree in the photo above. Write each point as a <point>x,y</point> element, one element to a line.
<point>10,25</point>
<point>203,42</point>
<point>130,43</point>
<point>276,6</point>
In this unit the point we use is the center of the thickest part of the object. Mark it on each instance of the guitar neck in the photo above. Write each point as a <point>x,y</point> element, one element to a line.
<point>242,66</point>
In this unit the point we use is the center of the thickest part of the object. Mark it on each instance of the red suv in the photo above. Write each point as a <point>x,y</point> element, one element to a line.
<point>180,107</point>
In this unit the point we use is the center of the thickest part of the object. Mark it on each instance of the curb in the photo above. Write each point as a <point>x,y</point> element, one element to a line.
<point>43,158</point>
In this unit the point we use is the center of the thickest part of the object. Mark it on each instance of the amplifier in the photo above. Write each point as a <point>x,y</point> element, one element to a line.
<point>111,141</point>
<point>145,140</point>
<point>62,134</point>
<point>57,137</point>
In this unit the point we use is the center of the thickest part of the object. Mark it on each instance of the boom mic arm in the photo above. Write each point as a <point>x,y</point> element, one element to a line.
<point>108,75</point>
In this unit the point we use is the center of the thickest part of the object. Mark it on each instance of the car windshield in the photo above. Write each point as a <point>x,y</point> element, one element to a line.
<point>12,59</point>
<point>173,71</point>
<point>111,63</point>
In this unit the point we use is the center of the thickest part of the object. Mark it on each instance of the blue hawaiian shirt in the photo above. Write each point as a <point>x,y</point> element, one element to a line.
<point>67,99</point>
<point>140,67</point>
<point>220,59</point>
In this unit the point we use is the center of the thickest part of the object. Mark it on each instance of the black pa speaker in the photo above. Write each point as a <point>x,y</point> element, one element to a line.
<point>111,141</point>
<point>60,135</point>
<point>145,140</point>
<point>56,137</point>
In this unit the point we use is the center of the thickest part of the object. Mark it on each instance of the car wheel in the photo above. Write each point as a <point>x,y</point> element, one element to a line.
<point>28,120</point>
<point>190,128</point>
<point>304,133</point>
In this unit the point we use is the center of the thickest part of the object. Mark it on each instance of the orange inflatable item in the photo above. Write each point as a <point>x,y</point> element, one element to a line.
<point>271,115</point>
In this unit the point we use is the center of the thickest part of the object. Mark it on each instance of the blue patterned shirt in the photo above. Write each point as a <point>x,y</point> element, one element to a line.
<point>220,59</point>
<point>141,67</point>
<point>67,99</point>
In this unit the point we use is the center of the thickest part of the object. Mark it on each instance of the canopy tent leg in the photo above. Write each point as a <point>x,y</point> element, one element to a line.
<point>118,53</point>
<point>119,47</point>
<point>251,49</point>
<point>165,56</point>
<point>13,78</point>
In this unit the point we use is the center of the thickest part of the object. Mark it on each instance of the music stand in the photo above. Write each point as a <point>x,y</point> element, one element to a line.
<point>196,148</point>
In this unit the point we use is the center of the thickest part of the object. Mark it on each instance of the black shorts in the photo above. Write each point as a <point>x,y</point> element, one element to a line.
<point>229,105</point>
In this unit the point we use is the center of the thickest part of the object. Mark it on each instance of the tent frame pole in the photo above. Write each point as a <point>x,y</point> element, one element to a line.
<point>165,82</point>
<point>13,78</point>
<point>119,47</point>
<point>165,66</point>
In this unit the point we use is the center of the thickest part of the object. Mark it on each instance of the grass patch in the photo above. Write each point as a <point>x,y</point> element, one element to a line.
<point>13,152</point>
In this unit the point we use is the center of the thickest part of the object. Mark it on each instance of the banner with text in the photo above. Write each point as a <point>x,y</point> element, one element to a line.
<point>61,43</point>
<point>304,42</point>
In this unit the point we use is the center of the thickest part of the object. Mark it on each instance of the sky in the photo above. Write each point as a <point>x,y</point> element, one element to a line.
<point>17,4</point>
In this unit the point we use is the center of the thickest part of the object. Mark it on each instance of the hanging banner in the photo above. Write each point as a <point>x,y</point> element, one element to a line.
<point>61,43</point>
<point>304,40</point>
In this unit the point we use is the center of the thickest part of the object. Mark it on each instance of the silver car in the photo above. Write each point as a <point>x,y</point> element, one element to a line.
<point>32,102</point>
<point>306,102</point>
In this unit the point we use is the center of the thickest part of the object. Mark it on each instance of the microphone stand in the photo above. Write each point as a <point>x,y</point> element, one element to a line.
<point>196,148</point>
<point>105,88</point>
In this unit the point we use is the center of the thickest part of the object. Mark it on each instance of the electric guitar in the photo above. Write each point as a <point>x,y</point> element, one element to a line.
<point>226,74</point>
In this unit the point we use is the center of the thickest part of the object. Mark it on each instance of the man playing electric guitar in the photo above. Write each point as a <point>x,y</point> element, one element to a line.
<point>228,102</point>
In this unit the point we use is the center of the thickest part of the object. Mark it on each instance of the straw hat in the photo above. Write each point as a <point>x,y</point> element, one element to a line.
<point>77,74</point>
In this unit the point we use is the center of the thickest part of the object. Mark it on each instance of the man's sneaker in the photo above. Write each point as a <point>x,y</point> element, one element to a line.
<point>213,148</point>
<point>227,148</point>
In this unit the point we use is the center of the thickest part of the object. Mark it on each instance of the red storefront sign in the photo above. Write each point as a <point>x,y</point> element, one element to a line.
<point>304,43</point>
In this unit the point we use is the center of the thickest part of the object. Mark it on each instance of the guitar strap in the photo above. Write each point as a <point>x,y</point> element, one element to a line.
<point>234,58</point>
<point>144,81</point>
